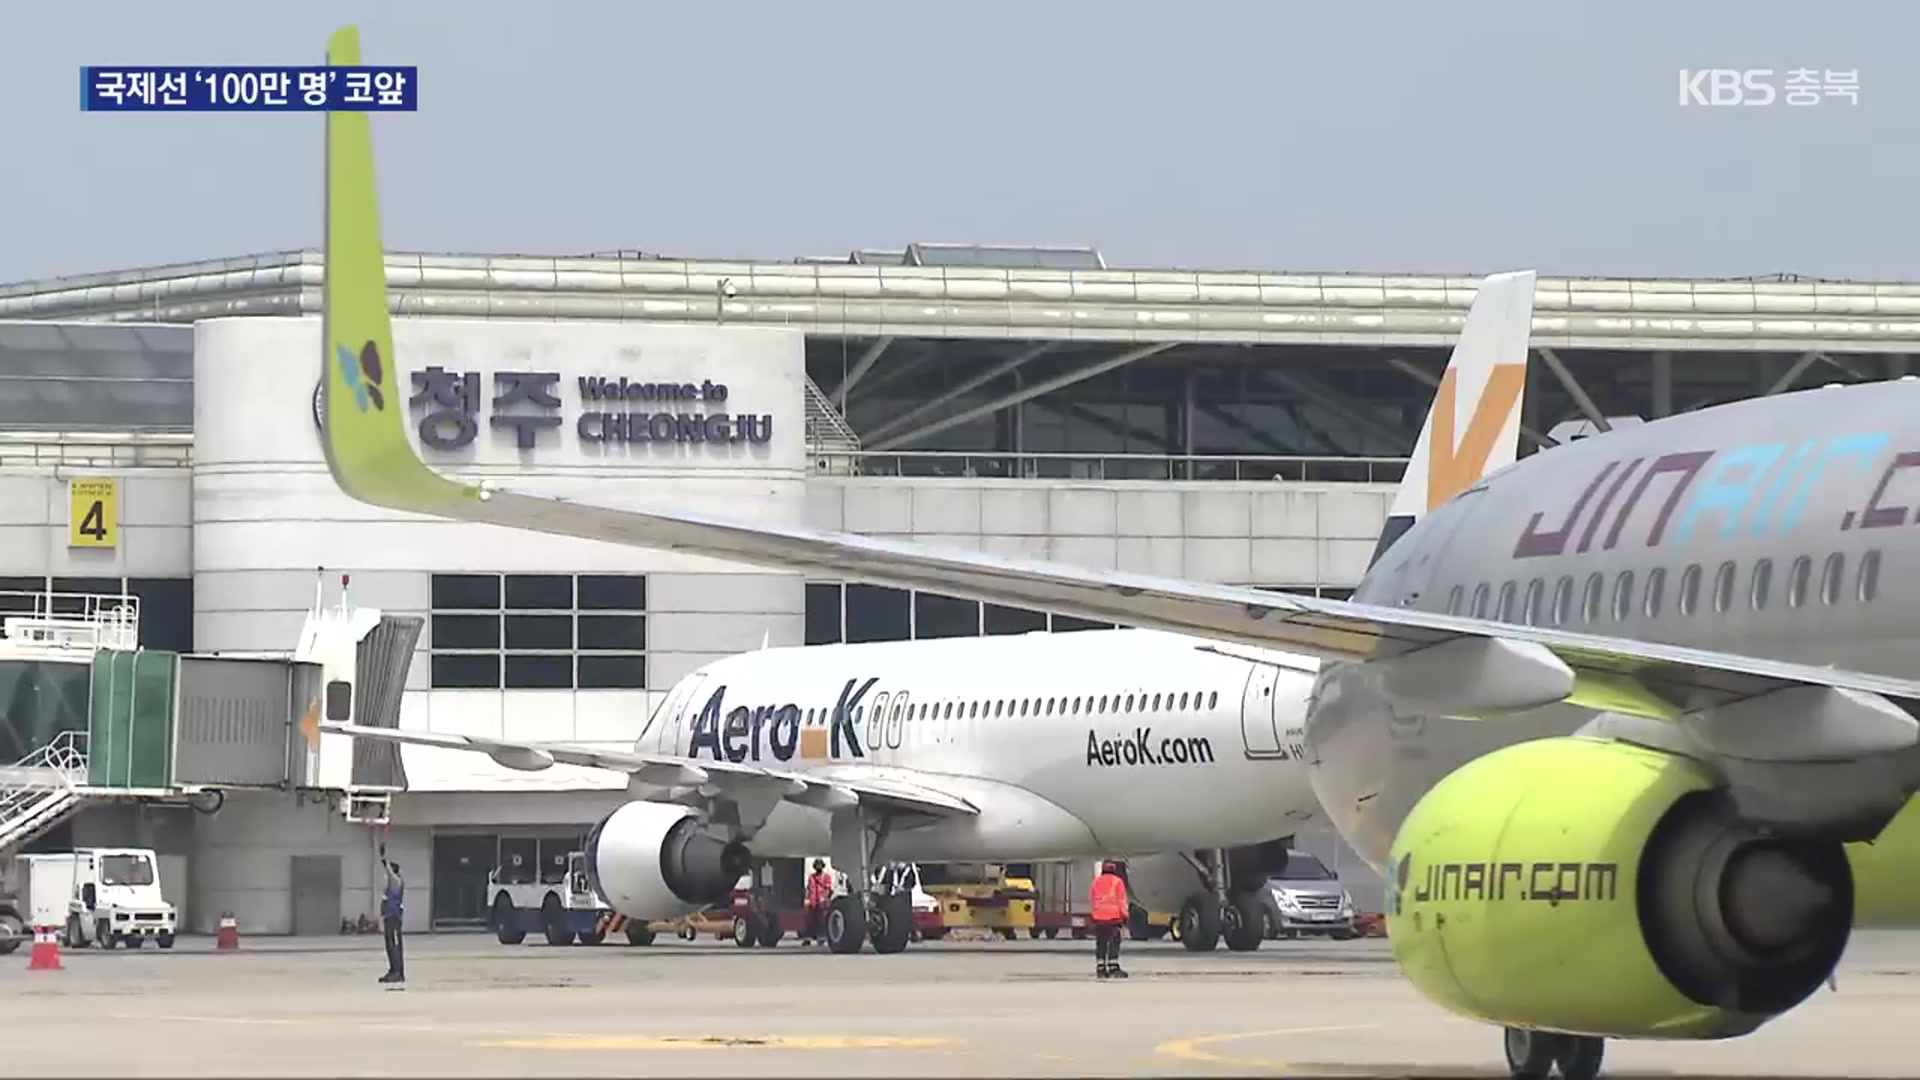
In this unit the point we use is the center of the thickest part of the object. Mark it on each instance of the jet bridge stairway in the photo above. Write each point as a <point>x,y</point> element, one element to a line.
<point>42,790</point>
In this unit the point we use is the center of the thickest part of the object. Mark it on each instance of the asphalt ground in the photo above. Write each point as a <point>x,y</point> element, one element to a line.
<point>472,1007</point>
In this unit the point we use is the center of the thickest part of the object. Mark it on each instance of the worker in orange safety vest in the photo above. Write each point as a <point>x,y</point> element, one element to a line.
<point>1109,920</point>
<point>819,898</point>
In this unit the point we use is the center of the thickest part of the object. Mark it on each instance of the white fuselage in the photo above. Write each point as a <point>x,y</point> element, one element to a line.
<point>1072,744</point>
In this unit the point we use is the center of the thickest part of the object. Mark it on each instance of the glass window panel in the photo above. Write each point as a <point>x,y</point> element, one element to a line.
<point>613,592</point>
<point>465,631</point>
<point>540,592</point>
<point>613,633</point>
<point>537,672</point>
<point>937,616</point>
<point>468,671</point>
<point>466,592</point>
<point>539,631</point>
<point>878,613</point>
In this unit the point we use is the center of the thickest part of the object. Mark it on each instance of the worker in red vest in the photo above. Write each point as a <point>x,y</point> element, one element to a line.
<point>819,899</point>
<point>1109,919</point>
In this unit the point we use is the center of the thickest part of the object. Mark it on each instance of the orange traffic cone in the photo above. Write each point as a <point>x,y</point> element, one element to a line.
<point>46,950</point>
<point>229,937</point>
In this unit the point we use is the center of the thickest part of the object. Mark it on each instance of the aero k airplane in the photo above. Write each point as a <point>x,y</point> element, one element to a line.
<point>1626,724</point>
<point>1094,743</point>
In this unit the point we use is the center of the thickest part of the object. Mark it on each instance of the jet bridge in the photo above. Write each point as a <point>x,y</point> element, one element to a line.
<point>91,717</point>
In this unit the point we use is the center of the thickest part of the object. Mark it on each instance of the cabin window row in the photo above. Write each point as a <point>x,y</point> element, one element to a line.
<point>1623,596</point>
<point>1080,705</point>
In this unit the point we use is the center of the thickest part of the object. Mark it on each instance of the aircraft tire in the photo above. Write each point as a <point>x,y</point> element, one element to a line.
<point>1530,1054</point>
<point>506,922</point>
<point>770,930</point>
<point>639,933</point>
<point>746,930</point>
<point>846,925</point>
<point>590,937</point>
<point>553,922</point>
<point>893,928</point>
<point>1244,922</point>
<point>1579,1056</point>
<point>1200,923</point>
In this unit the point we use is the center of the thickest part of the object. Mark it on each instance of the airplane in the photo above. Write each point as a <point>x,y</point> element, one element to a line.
<point>1179,753</point>
<point>1631,770</point>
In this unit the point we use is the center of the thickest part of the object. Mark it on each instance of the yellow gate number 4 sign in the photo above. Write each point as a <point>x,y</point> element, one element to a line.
<point>93,514</point>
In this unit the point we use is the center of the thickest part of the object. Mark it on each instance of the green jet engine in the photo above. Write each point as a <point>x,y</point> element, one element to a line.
<point>1598,888</point>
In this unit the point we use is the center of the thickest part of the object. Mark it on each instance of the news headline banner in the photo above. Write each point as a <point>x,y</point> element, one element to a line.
<point>249,89</point>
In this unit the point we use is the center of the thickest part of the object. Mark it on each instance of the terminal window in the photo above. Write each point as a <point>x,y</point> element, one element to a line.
<point>539,631</point>
<point>165,605</point>
<point>855,613</point>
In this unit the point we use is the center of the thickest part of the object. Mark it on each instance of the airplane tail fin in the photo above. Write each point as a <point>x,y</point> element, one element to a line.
<point>363,390</point>
<point>1474,426</point>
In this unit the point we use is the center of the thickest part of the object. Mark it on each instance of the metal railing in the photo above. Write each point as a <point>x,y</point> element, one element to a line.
<point>41,789</point>
<point>961,464</point>
<point>64,620</point>
<point>826,430</point>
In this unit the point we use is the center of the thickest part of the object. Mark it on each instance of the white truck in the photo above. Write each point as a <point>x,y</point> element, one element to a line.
<point>103,896</point>
<point>562,907</point>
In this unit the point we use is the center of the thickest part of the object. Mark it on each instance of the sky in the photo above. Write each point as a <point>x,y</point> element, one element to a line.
<point>1285,135</point>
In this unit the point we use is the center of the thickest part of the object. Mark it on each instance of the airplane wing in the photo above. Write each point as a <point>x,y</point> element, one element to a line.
<point>365,440</point>
<point>740,782</point>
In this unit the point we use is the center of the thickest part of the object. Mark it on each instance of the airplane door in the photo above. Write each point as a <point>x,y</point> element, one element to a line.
<point>1256,712</point>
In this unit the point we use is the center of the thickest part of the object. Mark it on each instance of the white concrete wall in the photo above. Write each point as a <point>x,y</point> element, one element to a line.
<point>156,524</point>
<point>1245,533</point>
<point>267,513</point>
<point>243,862</point>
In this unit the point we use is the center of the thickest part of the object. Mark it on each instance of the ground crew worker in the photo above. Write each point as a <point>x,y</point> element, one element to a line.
<point>1109,920</point>
<point>819,897</point>
<point>392,910</point>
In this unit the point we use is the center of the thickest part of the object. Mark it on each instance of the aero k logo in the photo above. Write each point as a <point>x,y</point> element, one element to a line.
<point>364,376</point>
<point>1455,465</point>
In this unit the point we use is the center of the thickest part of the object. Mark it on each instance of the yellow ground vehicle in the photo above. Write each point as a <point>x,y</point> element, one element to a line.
<point>981,896</point>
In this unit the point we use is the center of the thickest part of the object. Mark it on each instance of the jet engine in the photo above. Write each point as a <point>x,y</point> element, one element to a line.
<point>1600,888</point>
<point>660,861</point>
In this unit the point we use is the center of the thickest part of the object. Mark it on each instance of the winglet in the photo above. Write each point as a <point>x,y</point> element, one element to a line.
<point>1473,428</point>
<point>364,395</point>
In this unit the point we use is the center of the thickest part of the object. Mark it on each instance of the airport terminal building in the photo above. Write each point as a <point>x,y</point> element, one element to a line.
<point>158,438</point>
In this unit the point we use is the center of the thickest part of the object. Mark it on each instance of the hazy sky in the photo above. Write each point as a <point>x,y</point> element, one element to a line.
<point>1470,136</point>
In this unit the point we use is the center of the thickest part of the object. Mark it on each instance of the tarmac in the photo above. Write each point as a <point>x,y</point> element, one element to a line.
<point>471,1007</point>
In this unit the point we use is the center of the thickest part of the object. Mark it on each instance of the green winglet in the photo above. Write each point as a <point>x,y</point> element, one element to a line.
<point>364,406</point>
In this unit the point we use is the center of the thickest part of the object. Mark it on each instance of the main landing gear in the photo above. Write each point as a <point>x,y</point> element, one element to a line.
<point>868,914</point>
<point>1532,1055</point>
<point>1218,913</point>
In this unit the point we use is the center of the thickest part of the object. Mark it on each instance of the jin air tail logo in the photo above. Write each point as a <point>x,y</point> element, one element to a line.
<point>364,375</point>
<point>1401,874</point>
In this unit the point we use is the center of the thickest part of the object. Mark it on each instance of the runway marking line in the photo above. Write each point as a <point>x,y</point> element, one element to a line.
<point>613,1041</point>
<point>1191,1049</point>
<point>284,1021</point>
